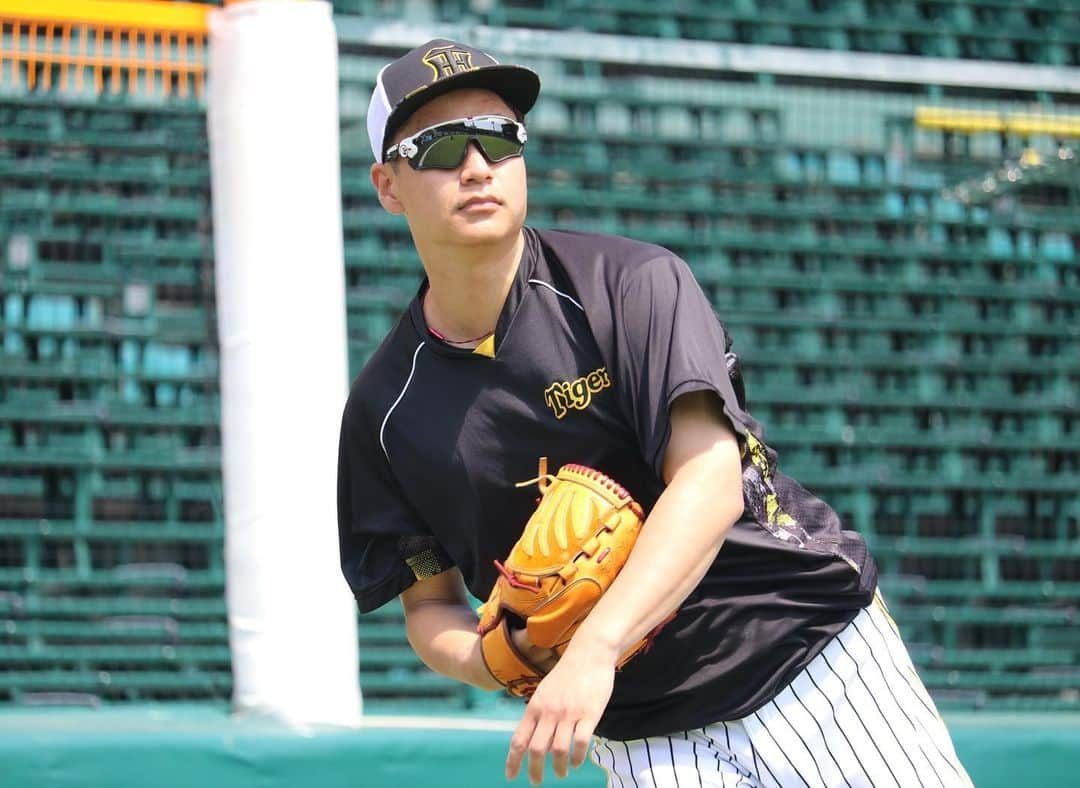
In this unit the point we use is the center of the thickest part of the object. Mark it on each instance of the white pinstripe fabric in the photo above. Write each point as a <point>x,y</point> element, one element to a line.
<point>856,716</point>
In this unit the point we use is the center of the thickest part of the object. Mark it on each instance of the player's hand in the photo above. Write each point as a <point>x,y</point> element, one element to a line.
<point>543,658</point>
<point>562,715</point>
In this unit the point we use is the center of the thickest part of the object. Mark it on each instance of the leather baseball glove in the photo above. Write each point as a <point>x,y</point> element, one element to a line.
<point>573,546</point>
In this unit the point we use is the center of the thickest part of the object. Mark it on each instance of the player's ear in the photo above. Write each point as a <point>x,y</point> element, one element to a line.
<point>383,178</point>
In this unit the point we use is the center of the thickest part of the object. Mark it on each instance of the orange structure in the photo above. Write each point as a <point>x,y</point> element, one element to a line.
<point>141,46</point>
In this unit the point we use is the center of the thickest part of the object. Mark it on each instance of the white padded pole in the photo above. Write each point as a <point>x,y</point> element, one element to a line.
<point>273,127</point>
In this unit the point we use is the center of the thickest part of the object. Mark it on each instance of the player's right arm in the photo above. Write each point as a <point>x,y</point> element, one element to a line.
<point>441,627</point>
<point>387,551</point>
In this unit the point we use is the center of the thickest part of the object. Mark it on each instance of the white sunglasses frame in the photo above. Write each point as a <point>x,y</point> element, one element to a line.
<point>407,149</point>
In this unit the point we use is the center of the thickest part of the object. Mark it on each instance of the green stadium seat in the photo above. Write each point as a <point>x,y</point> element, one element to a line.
<point>94,579</point>
<point>552,116</point>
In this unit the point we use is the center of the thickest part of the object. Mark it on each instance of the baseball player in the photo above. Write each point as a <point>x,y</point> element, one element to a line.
<point>781,665</point>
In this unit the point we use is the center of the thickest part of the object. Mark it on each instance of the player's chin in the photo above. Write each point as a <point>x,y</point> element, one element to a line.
<point>482,228</point>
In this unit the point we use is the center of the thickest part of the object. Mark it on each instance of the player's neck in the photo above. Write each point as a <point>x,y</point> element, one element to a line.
<point>467,288</point>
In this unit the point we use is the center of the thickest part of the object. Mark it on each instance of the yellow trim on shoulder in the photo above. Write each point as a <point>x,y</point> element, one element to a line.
<point>486,348</point>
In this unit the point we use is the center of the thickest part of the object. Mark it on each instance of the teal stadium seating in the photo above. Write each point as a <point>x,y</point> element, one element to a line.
<point>914,355</point>
<point>1035,31</point>
<point>111,535</point>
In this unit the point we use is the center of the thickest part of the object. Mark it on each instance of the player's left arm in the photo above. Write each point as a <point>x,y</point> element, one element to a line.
<point>676,546</point>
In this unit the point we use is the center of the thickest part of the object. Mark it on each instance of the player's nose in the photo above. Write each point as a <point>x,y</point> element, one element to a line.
<point>474,166</point>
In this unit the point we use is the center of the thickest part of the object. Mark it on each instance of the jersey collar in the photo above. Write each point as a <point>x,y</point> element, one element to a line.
<point>490,347</point>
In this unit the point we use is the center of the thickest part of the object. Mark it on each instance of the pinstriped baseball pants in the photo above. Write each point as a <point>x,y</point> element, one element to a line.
<point>857,715</point>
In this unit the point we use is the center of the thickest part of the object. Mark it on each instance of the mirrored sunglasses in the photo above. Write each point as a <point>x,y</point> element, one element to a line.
<point>443,146</point>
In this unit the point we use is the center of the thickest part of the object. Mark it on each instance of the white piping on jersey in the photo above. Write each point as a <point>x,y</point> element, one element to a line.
<point>557,292</point>
<point>382,430</point>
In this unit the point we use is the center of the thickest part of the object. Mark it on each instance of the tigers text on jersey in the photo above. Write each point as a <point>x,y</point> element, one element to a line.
<point>598,335</point>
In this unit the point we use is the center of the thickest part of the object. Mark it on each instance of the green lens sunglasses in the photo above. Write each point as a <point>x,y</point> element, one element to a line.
<point>442,146</point>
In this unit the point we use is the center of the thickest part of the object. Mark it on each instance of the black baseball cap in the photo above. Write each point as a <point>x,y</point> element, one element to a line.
<point>438,67</point>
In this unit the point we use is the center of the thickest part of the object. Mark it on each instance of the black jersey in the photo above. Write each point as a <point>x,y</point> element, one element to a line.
<point>598,335</point>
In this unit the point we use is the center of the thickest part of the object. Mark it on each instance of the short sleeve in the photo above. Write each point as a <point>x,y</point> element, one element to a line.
<point>385,547</point>
<point>670,342</point>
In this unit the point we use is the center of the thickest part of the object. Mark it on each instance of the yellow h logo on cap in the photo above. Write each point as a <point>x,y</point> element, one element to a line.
<point>447,61</point>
